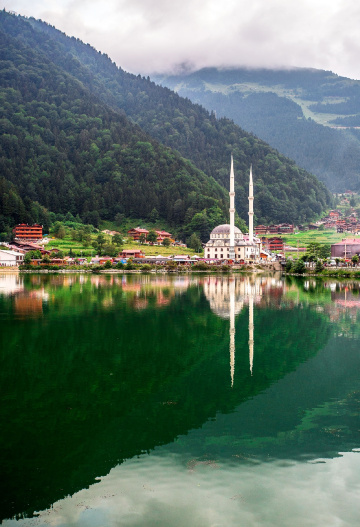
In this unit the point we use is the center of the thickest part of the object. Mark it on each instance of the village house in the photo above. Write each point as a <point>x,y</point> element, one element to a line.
<point>136,232</point>
<point>347,248</point>
<point>23,231</point>
<point>260,230</point>
<point>131,253</point>
<point>10,258</point>
<point>281,228</point>
<point>161,235</point>
<point>23,246</point>
<point>335,214</point>
<point>273,244</point>
<point>100,260</point>
<point>38,262</point>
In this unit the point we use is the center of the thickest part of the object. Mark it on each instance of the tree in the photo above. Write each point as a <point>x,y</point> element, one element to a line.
<point>355,260</point>
<point>59,230</point>
<point>108,264</point>
<point>288,266</point>
<point>117,239</point>
<point>86,240</point>
<point>299,267</point>
<point>166,242</point>
<point>152,237</point>
<point>154,215</point>
<point>194,242</point>
<point>110,250</point>
<point>319,266</point>
<point>325,251</point>
<point>142,238</point>
<point>200,225</point>
<point>119,218</point>
<point>100,241</point>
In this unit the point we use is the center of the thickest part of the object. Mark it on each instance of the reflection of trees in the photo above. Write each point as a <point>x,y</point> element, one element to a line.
<point>92,385</point>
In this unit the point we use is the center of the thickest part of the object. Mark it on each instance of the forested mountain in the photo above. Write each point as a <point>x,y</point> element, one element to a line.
<point>310,115</point>
<point>68,143</point>
<point>63,148</point>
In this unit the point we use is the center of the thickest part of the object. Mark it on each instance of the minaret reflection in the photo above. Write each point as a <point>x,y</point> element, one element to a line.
<point>232,331</point>
<point>251,333</point>
<point>227,296</point>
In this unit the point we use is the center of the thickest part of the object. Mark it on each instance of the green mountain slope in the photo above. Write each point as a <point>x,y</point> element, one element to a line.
<point>301,112</point>
<point>283,191</point>
<point>63,148</point>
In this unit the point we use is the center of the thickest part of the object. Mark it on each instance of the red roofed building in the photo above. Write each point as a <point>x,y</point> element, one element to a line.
<point>273,244</point>
<point>261,229</point>
<point>137,232</point>
<point>132,253</point>
<point>161,235</point>
<point>23,231</point>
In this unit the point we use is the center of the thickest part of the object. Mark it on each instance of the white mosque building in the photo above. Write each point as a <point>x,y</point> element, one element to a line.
<point>227,242</point>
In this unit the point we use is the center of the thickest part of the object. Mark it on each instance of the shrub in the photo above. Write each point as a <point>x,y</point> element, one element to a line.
<point>201,266</point>
<point>146,267</point>
<point>298,267</point>
<point>319,266</point>
<point>288,266</point>
<point>225,268</point>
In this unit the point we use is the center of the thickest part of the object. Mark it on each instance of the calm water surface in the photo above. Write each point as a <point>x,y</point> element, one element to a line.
<point>179,401</point>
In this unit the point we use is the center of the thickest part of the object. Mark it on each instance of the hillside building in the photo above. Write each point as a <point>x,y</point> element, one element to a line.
<point>136,232</point>
<point>273,244</point>
<point>23,231</point>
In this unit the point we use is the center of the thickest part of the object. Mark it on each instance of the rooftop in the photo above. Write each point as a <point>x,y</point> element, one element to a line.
<point>225,229</point>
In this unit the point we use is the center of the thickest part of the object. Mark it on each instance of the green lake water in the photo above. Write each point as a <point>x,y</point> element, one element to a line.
<point>195,400</point>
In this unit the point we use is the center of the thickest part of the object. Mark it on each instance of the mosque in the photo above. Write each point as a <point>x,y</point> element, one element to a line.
<point>227,242</point>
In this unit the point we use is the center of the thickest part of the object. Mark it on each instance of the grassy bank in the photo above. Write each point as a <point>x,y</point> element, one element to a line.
<point>66,244</point>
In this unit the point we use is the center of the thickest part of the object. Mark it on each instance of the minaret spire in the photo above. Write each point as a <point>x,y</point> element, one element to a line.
<point>232,212</point>
<point>251,208</point>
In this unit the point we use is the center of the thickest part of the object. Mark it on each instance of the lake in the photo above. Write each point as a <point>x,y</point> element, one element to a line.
<point>179,400</point>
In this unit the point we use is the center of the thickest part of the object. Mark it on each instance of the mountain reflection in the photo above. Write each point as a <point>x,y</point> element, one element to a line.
<point>97,369</point>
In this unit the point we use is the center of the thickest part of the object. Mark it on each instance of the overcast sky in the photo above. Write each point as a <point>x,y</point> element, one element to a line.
<point>145,36</point>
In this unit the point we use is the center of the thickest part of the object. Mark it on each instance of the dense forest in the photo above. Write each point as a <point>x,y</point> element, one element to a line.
<point>273,103</point>
<point>81,135</point>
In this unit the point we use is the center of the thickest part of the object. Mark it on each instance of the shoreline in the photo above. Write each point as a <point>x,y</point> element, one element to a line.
<point>354,274</point>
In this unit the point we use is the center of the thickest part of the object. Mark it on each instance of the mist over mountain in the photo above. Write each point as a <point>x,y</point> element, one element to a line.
<point>312,116</point>
<point>80,134</point>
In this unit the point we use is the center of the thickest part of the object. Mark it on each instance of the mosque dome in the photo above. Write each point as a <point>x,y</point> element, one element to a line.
<point>225,229</point>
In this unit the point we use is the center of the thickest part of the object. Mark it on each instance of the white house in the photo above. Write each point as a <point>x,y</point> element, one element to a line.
<point>10,258</point>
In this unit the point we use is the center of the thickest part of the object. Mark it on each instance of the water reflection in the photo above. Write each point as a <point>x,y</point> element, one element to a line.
<point>96,370</point>
<point>154,490</point>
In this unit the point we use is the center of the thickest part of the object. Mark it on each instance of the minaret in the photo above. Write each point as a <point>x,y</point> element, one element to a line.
<point>251,208</point>
<point>232,212</point>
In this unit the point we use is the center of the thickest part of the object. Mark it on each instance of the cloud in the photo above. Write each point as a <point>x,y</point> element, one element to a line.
<point>157,35</point>
<point>162,490</point>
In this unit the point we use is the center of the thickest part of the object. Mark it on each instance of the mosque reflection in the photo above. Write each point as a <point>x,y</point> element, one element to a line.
<point>228,295</point>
